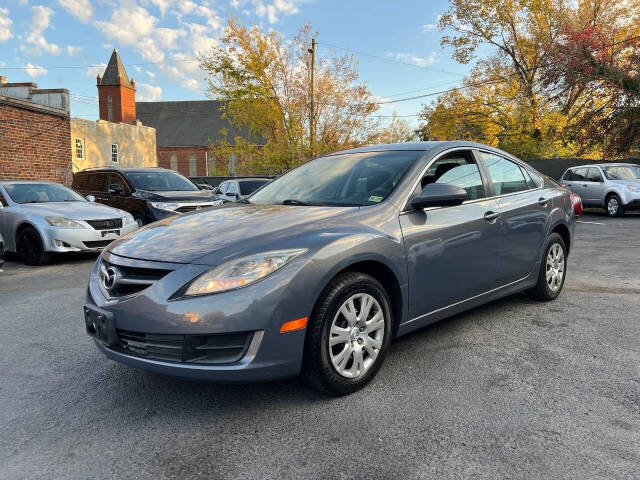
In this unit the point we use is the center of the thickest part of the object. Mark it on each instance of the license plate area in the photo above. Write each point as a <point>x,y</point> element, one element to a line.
<point>109,232</point>
<point>100,325</point>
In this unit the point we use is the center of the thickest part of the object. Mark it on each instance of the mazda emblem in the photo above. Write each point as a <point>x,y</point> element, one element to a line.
<point>110,278</point>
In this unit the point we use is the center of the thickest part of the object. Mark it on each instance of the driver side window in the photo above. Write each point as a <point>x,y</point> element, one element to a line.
<point>459,169</point>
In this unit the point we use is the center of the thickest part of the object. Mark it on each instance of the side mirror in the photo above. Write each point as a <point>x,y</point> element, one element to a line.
<point>91,198</point>
<point>439,195</point>
<point>115,188</point>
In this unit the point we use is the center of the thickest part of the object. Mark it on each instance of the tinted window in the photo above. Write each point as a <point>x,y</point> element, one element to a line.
<point>41,193</point>
<point>568,175</point>
<point>97,182</point>
<point>223,187</point>
<point>466,176</point>
<point>594,175</point>
<point>160,181</point>
<point>116,179</point>
<point>580,175</point>
<point>506,176</point>
<point>80,181</point>
<point>250,186</point>
<point>356,179</point>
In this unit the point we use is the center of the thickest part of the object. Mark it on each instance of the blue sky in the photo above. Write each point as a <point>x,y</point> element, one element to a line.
<point>82,33</point>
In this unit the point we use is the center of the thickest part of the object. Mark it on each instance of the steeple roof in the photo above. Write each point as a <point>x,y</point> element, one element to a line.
<point>115,69</point>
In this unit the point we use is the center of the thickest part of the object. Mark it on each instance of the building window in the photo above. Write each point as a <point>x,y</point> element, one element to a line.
<point>110,108</point>
<point>193,170</point>
<point>115,154</point>
<point>173,163</point>
<point>80,148</point>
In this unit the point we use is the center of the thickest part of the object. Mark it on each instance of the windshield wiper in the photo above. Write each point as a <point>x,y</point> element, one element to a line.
<point>293,201</point>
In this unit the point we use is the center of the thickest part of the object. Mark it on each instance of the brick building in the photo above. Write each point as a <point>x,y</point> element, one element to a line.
<point>184,131</point>
<point>35,133</point>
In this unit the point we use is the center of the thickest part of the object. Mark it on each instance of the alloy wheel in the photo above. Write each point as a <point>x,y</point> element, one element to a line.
<point>612,206</point>
<point>30,246</point>
<point>356,335</point>
<point>555,267</point>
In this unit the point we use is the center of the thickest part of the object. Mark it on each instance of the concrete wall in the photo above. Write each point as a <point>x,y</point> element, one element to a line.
<point>136,144</point>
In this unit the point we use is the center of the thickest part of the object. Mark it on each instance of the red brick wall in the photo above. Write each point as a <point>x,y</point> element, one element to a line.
<point>182,154</point>
<point>123,102</point>
<point>34,145</point>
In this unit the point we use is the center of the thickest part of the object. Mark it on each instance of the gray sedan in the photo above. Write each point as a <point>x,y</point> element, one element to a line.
<point>37,218</point>
<point>318,271</point>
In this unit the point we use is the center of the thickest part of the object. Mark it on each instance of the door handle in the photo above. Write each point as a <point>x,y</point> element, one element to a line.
<point>584,185</point>
<point>491,216</point>
<point>543,201</point>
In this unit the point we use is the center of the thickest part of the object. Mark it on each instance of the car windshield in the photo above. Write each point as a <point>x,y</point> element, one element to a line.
<point>247,187</point>
<point>160,181</point>
<point>626,172</point>
<point>351,179</point>
<point>41,193</point>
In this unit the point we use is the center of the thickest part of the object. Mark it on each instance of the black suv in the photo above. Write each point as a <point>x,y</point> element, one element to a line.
<point>149,194</point>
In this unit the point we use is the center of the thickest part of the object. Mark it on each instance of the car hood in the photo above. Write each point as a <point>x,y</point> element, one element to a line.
<point>72,210</point>
<point>202,237</point>
<point>195,195</point>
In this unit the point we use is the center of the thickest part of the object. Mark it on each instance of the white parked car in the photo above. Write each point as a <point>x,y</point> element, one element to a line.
<point>37,218</point>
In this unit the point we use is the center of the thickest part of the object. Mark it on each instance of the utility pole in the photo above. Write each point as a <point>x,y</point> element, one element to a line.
<point>312,116</point>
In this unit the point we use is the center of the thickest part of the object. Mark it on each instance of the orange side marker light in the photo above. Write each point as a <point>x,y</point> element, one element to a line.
<point>293,325</point>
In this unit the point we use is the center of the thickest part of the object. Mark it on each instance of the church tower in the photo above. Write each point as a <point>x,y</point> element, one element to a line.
<point>116,94</point>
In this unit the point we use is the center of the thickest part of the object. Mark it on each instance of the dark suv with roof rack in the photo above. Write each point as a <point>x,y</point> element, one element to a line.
<point>149,194</point>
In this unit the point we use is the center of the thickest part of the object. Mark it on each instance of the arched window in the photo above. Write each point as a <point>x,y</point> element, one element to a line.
<point>173,163</point>
<point>193,169</point>
<point>110,108</point>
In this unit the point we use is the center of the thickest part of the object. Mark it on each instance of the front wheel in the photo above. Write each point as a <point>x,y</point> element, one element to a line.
<point>30,247</point>
<point>615,207</point>
<point>552,270</point>
<point>349,333</point>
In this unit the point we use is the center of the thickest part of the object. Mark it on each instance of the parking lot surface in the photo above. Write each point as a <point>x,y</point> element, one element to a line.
<point>514,389</point>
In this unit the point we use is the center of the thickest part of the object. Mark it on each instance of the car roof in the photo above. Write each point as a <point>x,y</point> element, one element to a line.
<point>251,179</point>
<point>126,169</point>
<point>420,147</point>
<point>27,182</point>
<point>602,165</point>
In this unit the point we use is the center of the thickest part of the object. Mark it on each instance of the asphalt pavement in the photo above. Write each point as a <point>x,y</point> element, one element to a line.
<point>514,389</point>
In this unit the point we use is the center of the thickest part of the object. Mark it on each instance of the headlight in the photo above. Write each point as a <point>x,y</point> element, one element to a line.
<point>633,188</point>
<point>169,207</point>
<point>240,272</point>
<point>128,219</point>
<point>62,222</point>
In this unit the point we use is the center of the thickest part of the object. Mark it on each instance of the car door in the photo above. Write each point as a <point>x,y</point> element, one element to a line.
<point>452,252</point>
<point>222,190</point>
<point>579,181</point>
<point>118,199</point>
<point>594,187</point>
<point>97,186</point>
<point>525,210</point>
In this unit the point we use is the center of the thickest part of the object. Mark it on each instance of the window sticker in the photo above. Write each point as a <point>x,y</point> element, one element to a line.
<point>375,198</point>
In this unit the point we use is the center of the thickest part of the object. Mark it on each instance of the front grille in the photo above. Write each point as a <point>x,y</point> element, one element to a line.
<point>97,243</point>
<point>191,208</point>
<point>130,280</point>
<point>203,349</point>
<point>105,224</point>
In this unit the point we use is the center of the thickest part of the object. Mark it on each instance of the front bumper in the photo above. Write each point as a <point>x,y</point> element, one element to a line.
<point>261,309</point>
<point>63,240</point>
<point>633,204</point>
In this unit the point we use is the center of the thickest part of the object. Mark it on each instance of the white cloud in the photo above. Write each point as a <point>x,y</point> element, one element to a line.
<point>139,23</point>
<point>34,70</point>
<point>273,11</point>
<point>94,70</point>
<point>192,84</point>
<point>163,5</point>
<point>81,9</point>
<point>148,93</point>
<point>429,26</point>
<point>23,3</point>
<point>71,50</point>
<point>40,18</point>
<point>150,74</point>
<point>5,25</point>
<point>38,45</point>
<point>167,37</point>
<point>415,59</point>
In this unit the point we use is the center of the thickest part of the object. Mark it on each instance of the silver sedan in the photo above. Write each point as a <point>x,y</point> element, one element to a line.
<point>37,218</point>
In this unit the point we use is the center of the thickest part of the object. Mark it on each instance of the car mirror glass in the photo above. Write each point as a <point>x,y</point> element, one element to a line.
<point>90,198</point>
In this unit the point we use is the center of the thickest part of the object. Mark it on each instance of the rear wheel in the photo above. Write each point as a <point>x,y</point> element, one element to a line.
<point>614,206</point>
<point>349,333</point>
<point>552,270</point>
<point>30,247</point>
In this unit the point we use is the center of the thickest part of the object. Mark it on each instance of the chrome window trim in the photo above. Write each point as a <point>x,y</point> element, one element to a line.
<point>475,200</point>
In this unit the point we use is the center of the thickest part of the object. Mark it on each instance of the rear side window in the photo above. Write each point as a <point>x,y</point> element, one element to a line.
<point>569,175</point>
<point>580,175</point>
<point>97,182</point>
<point>506,176</point>
<point>594,175</point>
<point>80,181</point>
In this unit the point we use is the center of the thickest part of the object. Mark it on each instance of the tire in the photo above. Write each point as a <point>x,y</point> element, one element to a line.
<point>614,206</point>
<point>30,247</point>
<point>549,288</point>
<point>139,220</point>
<point>319,365</point>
